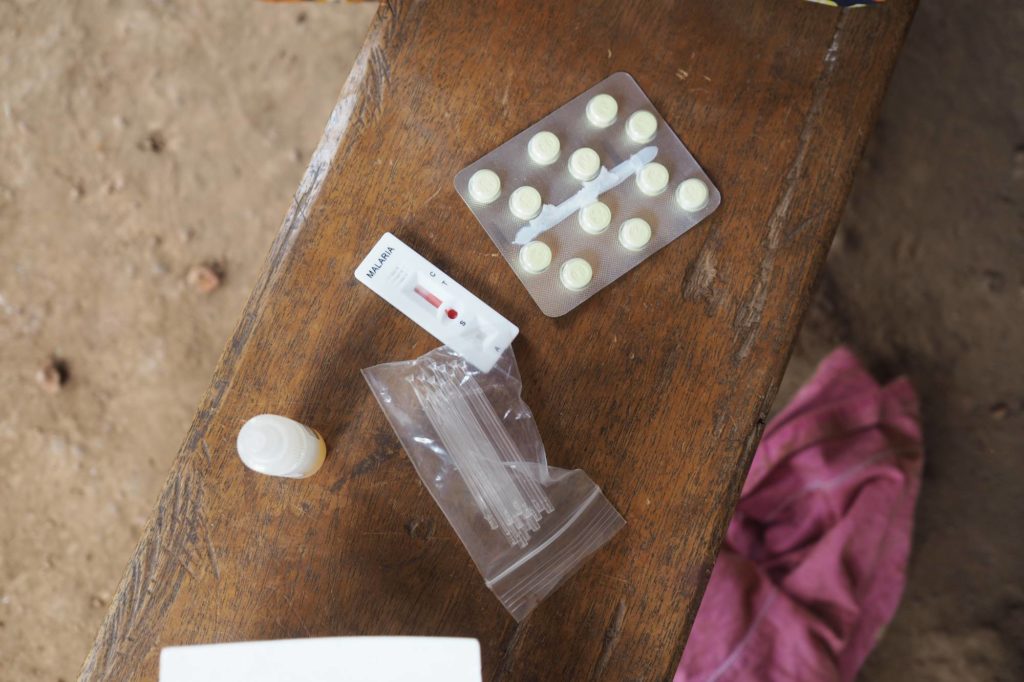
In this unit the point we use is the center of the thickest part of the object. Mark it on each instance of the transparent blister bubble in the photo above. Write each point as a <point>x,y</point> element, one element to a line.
<point>624,151</point>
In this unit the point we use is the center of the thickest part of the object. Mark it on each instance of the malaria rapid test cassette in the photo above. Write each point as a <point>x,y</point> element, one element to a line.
<point>436,302</point>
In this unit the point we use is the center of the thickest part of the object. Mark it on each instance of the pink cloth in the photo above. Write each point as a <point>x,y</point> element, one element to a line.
<point>814,561</point>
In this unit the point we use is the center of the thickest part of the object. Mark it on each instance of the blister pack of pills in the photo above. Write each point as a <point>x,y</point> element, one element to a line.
<point>587,193</point>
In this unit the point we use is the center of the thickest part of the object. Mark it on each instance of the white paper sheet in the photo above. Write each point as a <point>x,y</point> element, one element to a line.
<point>326,659</point>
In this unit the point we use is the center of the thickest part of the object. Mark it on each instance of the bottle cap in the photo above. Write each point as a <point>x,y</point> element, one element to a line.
<point>278,446</point>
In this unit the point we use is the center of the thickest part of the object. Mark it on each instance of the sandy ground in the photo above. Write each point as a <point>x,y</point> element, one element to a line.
<point>139,139</point>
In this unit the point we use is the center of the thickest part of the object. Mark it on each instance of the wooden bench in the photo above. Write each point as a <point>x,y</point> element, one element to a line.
<point>658,387</point>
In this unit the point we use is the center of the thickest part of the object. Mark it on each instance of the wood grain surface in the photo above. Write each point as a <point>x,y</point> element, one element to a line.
<point>658,387</point>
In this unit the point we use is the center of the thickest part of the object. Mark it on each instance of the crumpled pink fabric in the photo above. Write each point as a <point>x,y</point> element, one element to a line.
<point>814,561</point>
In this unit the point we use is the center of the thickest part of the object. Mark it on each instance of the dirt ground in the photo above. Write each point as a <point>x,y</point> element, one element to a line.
<point>139,139</point>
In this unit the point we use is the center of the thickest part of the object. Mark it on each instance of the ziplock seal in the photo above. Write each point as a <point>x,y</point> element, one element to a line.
<point>521,586</point>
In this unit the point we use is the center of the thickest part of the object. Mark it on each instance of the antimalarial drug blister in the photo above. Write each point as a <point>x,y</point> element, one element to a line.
<point>587,193</point>
<point>436,302</point>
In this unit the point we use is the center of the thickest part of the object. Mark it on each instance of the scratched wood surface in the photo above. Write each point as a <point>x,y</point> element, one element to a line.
<point>658,387</point>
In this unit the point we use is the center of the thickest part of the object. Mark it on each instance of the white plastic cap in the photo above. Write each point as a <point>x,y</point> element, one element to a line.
<point>575,274</point>
<point>584,164</point>
<point>641,126</point>
<point>278,446</point>
<point>602,110</point>
<point>525,203</point>
<point>692,195</point>
<point>484,186</point>
<point>652,179</point>
<point>635,233</point>
<point>544,148</point>
<point>535,257</point>
<point>595,218</point>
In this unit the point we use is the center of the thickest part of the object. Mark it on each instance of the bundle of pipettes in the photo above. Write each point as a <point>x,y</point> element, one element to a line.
<point>502,483</point>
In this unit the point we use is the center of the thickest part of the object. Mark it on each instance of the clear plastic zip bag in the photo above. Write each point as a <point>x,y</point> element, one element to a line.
<point>476,447</point>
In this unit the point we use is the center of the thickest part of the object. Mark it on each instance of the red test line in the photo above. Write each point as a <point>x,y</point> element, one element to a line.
<point>429,297</point>
<point>435,301</point>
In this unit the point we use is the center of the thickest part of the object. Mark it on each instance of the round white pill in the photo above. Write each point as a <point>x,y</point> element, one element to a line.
<point>525,203</point>
<point>584,164</point>
<point>484,186</point>
<point>652,179</point>
<point>692,195</point>
<point>595,218</point>
<point>641,126</point>
<point>602,110</point>
<point>634,234</point>
<point>544,148</point>
<point>535,257</point>
<point>575,274</point>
